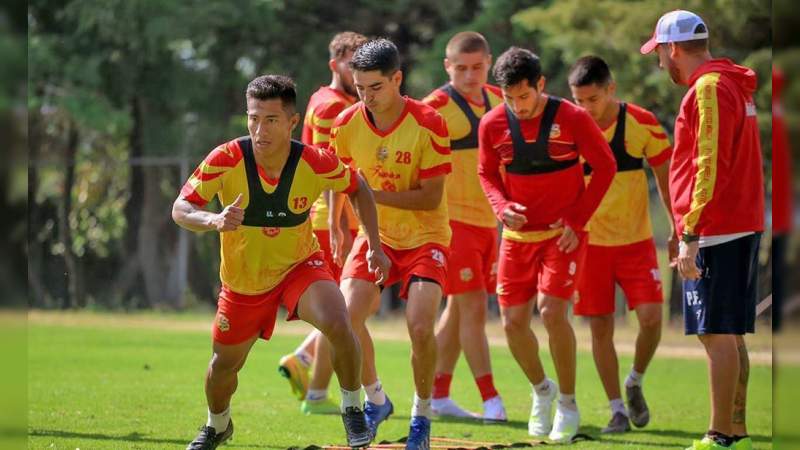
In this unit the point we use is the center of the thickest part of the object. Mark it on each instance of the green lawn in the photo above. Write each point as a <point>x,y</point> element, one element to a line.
<point>109,387</point>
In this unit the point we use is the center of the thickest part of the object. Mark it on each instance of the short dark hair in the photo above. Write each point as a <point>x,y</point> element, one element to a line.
<point>589,70</point>
<point>466,42</point>
<point>268,87</point>
<point>517,64</point>
<point>346,41</point>
<point>377,54</point>
<point>693,46</point>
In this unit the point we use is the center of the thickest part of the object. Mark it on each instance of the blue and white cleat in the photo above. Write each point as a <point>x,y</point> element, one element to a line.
<point>377,414</point>
<point>419,434</point>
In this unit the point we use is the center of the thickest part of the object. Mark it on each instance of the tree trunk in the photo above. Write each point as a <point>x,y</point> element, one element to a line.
<point>37,294</point>
<point>74,296</point>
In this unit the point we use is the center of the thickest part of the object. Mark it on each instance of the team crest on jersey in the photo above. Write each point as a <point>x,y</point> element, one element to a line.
<point>382,153</point>
<point>555,131</point>
<point>222,323</point>
<point>466,274</point>
<point>270,231</point>
<point>316,263</point>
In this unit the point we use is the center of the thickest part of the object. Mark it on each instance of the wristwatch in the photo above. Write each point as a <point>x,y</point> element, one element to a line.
<point>688,237</point>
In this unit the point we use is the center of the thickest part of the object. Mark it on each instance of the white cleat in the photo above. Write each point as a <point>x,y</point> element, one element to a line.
<point>540,422</point>
<point>565,425</point>
<point>494,411</point>
<point>445,407</point>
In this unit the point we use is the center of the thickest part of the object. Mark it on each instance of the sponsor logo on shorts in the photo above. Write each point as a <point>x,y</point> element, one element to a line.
<point>222,323</point>
<point>438,256</point>
<point>656,274</point>
<point>573,267</point>
<point>493,270</point>
<point>466,274</point>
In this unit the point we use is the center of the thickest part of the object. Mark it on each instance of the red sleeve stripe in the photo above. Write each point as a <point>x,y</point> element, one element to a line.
<point>353,182</point>
<point>322,130</point>
<point>321,162</point>
<point>660,158</point>
<point>435,171</point>
<point>190,195</point>
<point>338,175</point>
<point>658,135</point>
<point>345,159</point>
<point>436,99</point>
<point>206,176</point>
<point>329,111</point>
<point>440,149</point>
<point>226,155</point>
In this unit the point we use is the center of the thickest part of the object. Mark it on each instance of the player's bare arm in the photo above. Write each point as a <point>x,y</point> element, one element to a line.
<point>189,216</point>
<point>661,174</point>
<point>426,197</point>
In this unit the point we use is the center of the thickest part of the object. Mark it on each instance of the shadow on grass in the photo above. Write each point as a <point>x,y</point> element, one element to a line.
<point>631,438</point>
<point>133,437</point>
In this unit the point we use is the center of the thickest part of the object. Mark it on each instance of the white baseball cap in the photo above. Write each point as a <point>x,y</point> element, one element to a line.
<point>676,26</point>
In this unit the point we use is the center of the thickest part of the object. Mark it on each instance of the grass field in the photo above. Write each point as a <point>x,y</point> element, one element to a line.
<point>113,382</point>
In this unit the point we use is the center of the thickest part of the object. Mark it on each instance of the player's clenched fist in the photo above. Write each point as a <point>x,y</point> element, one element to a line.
<point>513,216</point>
<point>231,217</point>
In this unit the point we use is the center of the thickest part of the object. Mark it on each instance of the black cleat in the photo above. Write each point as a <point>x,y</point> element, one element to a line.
<point>619,423</point>
<point>208,439</point>
<point>355,425</point>
<point>637,406</point>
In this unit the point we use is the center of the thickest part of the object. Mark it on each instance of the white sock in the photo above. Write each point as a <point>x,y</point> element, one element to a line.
<point>422,407</point>
<point>351,399</point>
<point>543,388</point>
<point>316,394</point>
<point>375,393</point>
<point>618,406</point>
<point>633,379</point>
<point>567,401</point>
<point>219,421</point>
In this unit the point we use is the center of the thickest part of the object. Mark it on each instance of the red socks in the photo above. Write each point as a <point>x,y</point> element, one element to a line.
<point>441,385</point>
<point>486,386</point>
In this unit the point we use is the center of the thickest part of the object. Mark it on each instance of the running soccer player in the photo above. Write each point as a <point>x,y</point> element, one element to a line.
<point>269,254</point>
<point>323,107</point>
<point>472,265</point>
<point>403,149</point>
<point>717,189</point>
<point>529,169</point>
<point>621,249</point>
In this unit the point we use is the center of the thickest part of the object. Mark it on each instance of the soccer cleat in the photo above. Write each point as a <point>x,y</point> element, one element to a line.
<point>540,422</point>
<point>619,423</point>
<point>494,411</point>
<point>637,406</point>
<point>707,444</point>
<point>377,414</point>
<point>565,425</point>
<point>419,434</point>
<point>355,426</point>
<point>293,370</point>
<point>321,406</point>
<point>744,443</point>
<point>445,407</point>
<point>208,439</point>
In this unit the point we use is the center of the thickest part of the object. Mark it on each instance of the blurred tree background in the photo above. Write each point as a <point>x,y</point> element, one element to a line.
<point>125,97</point>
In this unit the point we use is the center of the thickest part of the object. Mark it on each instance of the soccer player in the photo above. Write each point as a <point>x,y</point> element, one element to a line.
<point>472,265</point>
<point>717,191</point>
<point>403,149</point>
<point>529,168</point>
<point>269,254</point>
<point>621,249</point>
<point>323,107</point>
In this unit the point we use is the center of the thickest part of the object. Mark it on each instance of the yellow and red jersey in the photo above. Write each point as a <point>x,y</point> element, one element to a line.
<point>623,215</point>
<point>255,258</point>
<point>535,162</point>
<point>415,147</point>
<point>466,202</point>
<point>323,107</point>
<point>716,181</point>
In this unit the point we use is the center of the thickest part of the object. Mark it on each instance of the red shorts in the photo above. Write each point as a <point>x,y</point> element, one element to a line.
<point>426,261</point>
<point>240,317</point>
<point>634,267</point>
<point>472,265</point>
<point>526,268</point>
<point>324,239</point>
